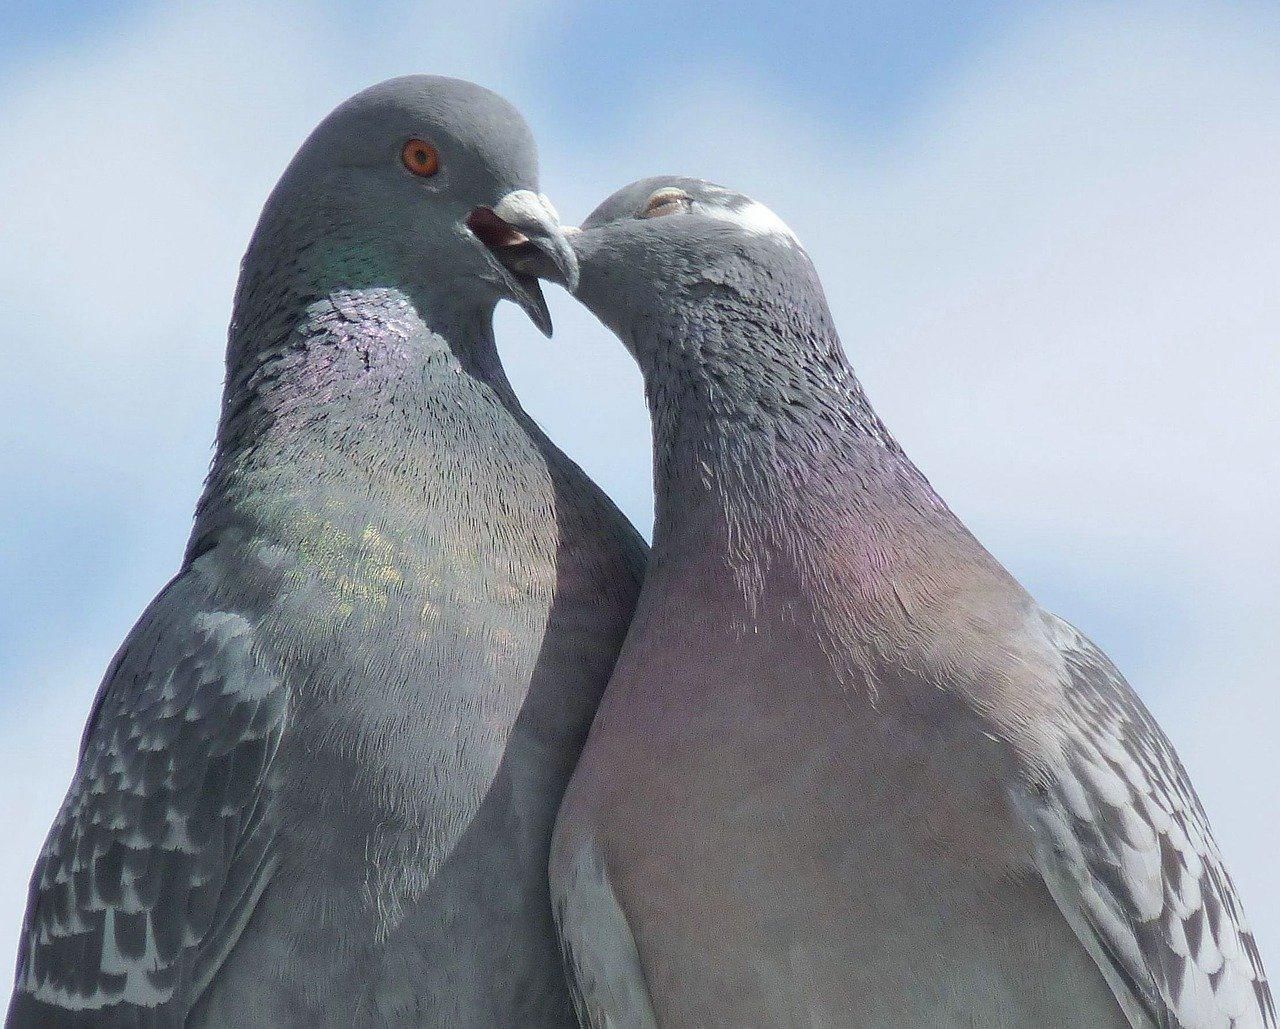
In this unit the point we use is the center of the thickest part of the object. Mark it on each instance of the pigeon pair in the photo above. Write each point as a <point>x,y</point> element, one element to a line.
<point>845,771</point>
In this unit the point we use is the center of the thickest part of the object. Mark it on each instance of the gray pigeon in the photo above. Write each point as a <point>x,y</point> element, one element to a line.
<point>318,783</point>
<point>847,772</point>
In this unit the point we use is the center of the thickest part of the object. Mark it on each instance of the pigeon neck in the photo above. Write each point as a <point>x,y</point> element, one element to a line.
<point>300,259</point>
<point>777,450</point>
<point>323,392</point>
<point>348,352</point>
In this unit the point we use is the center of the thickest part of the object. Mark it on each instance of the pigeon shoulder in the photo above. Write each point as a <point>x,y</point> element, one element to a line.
<point>587,514</point>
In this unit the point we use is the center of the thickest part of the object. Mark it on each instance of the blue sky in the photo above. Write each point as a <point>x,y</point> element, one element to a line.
<point>1048,233</point>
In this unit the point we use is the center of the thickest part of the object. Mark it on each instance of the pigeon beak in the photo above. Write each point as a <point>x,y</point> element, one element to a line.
<point>523,233</point>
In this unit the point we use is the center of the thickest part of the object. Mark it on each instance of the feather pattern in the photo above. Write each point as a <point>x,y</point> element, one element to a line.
<point>1126,850</point>
<point>160,850</point>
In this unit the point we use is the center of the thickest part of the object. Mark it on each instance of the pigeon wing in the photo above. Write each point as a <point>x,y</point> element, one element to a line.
<point>1126,851</point>
<point>160,850</point>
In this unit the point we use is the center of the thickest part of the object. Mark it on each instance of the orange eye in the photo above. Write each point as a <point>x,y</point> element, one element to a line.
<point>420,157</point>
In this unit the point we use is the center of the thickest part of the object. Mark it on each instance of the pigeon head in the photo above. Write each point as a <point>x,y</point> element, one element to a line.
<point>723,311</point>
<point>665,252</point>
<point>424,184</point>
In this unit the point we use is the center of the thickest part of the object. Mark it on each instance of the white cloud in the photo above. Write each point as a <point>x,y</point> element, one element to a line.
<point>1058,284</point>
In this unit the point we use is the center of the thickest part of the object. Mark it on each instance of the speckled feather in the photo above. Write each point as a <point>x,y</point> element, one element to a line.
<point>159,850</point>
<point>1127,852</point>
<point>847,772</point>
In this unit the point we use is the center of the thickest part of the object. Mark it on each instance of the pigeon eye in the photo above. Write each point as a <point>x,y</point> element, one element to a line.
<point>420,157</point>
<point>666,201</point>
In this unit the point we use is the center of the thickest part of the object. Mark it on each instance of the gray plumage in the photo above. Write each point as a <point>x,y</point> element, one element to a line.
<point>318,782</point>
<point>847,772</point>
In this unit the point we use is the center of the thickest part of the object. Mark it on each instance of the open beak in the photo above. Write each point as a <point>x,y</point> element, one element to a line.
<point>523,233</point>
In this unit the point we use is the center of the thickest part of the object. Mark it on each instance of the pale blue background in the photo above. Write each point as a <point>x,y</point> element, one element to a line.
<point>1049,233</point>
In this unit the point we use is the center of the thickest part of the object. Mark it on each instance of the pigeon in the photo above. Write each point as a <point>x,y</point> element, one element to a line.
<point>318,783</point>
<point>847,772</point>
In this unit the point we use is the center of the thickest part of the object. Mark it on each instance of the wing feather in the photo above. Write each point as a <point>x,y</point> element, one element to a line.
<point>161,847</point>
<point>1126,850</point>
